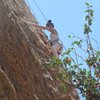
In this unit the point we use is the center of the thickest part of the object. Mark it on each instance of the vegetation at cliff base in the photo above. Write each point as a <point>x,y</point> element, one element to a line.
<point>82,72</point>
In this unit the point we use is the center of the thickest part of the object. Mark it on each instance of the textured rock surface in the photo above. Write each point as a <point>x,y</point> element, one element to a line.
<point>22,76</point>
<point>7,91</point>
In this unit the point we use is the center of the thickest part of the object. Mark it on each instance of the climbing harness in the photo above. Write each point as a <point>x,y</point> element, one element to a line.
<point>46,21</point>
<point>54,42</point>
<point>51,42</point>
<point>44,18</point>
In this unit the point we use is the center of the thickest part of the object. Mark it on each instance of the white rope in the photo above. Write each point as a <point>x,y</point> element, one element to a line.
<point>33,23</point>
<point>32,10</point>
<point>40,10</point>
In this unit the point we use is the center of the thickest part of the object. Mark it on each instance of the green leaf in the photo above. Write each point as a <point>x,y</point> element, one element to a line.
<point>87,72</point>
<point>91,13</point>
<point>90,6</point>
<point>90,30</point>
<point>73,72</point>
<point>89,22</point>
<point>69,50</point>
<point>86,29</point>
<point>87,4</point>
<point>80,64</point>
<point>87,17</point>
<point>69,36</point>
<point>64,62</point>
<point>87,11</point>
<point>79,69</point>
<point>97,68</point>
<point>78,43</point>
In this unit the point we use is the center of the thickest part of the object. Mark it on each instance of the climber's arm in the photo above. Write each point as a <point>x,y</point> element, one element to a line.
<point>46,28</point>
<point>42,27</point>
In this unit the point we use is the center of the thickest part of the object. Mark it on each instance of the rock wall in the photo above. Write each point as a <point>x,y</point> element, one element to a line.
<point>22,74</point>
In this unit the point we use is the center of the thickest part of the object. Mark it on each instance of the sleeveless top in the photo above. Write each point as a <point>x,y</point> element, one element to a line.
<point>54,36</point>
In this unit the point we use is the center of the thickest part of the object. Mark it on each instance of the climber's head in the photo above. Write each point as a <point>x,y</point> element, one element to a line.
<point>49,21</point>
<point>50,24</point>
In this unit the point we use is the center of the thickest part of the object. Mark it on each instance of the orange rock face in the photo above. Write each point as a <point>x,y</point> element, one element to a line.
<point>22,74</point>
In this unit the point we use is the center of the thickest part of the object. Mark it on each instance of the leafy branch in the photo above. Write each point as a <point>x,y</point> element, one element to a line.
<point>85,77</point>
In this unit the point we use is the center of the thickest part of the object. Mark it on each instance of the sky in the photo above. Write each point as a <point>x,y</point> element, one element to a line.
<point>68,17</point>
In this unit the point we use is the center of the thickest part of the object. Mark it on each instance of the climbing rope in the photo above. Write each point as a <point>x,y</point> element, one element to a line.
<point>40,10</point>
<point>63,45</point>
<point>32,10</point>
<point>44,18</point>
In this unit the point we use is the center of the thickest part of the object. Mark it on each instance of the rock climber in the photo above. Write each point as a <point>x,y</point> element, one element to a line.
<point>54,39</point>
<point>49,24</point>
